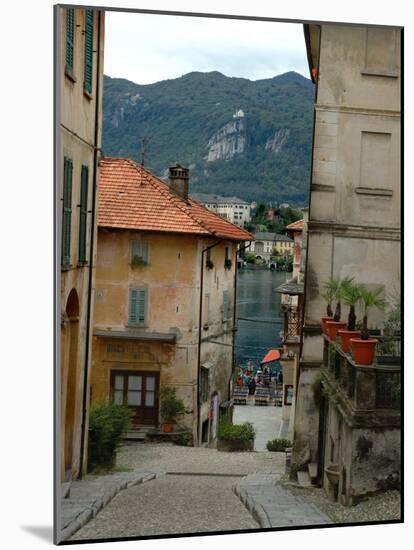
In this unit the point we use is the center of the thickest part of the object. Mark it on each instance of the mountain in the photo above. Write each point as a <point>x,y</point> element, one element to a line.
<point>239,137</point>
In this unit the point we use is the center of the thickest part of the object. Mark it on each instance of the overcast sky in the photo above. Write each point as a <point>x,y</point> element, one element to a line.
<point>149,48</point>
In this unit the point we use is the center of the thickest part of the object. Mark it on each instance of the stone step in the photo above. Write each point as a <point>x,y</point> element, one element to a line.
<point>304,479</point>
<point>137,435</point>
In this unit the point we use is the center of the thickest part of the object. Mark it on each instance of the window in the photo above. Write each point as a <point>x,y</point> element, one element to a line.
<point>204,384</point>
<point>139,253</point>
<point>209,261</point>
<point>226,305</point>
<point>70,27</point>
<point>206,311</point>
<point>137,306</point>
<point>67,211</point>
<point>88,69</point>
<point>83,214</point>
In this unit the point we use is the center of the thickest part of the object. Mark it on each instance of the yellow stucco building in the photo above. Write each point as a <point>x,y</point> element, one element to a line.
<point>165,295</point>
<point>80,33</point>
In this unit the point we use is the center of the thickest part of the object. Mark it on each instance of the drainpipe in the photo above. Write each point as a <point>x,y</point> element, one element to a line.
<point>200,318</point>
<point>91,253</point>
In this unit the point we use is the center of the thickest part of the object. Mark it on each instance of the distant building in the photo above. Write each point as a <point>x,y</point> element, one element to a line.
<point>233,209</point>
<point>80,81</point>
<point>267,245</point>
<point>165,297</point>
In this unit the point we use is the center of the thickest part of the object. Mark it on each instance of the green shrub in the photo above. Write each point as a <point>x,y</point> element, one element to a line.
<point>231,432</point>
<point>278,445</point>
<point>170,404</point>
<point>108,423</point>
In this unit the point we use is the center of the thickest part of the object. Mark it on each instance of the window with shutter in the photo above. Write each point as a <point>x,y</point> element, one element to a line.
<point>83,214</point>
<point>226,305</point>
<point>137,306</point>
<point>67,211</point>
<point>139,253</point>
<point>70,27</point>
<point>88,70</point>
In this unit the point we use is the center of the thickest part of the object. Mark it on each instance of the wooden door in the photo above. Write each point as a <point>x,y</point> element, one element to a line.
<point>140,392</point>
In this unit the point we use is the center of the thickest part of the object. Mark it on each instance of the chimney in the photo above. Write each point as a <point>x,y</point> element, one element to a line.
<point>178,180</point>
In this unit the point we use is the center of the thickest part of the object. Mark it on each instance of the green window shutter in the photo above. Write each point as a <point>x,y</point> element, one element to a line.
<point>88,71</point>
<point>70,28</point>
<point>137,306</point>
<point>142,306</point>
<point>133,306</point>
<point>226,305</point>
<point>83,214</point>
<point>67,211</point>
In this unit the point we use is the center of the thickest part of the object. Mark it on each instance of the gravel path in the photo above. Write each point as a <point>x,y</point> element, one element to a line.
<point>171,504</point>
<point>164,457</point>
<point>382,507</point>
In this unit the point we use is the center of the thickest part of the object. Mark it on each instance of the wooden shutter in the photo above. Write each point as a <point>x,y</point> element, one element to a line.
<point>87,82</point>
<point>137,306</point>
<point>226,305</point>
<point>67,211</point>
<point>83,214</point>
<point>70,27</point>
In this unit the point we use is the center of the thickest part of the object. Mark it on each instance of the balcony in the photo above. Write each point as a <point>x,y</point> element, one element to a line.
<point>368,395</point>
<point>291,326</point>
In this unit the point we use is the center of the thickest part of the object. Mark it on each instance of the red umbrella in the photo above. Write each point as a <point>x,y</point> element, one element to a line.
<point>272,355</point>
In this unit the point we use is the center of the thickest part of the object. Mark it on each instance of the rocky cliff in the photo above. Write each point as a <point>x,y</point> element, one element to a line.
<point>239,137</point>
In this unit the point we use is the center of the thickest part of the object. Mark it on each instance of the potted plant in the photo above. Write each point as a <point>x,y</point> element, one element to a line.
<point>169,408</point>
<point>351,296</point>
<point>336,287</point>
<point>363,348</point>
<point>328,297</point>
<point>235,437</point>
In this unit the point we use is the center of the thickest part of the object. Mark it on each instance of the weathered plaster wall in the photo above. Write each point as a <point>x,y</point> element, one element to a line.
<point>77,134</point>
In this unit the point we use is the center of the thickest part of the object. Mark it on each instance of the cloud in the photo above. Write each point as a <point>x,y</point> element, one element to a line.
<point>149,48</point>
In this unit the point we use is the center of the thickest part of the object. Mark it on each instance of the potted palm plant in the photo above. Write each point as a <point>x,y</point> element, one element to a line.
<point>170,407</point>
<point>351,296</point>
<point>328,296</point>
<point>363,348</point>
<point>336,286</point>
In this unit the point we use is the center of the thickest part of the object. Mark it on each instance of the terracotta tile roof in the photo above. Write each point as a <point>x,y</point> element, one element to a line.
<point>130,197</point>
<point>296,226</point>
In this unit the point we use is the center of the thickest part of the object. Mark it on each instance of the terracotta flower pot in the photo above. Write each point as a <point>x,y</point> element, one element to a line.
<point>345,335</point>
<point>333,327</point>
<point>323,320</point>
<point>167,427</point>
<point>363,351</point>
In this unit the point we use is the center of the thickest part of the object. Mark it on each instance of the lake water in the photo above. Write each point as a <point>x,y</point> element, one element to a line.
<point>257,301</point>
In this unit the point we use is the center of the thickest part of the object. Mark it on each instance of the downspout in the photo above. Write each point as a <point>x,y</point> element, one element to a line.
<point>91,253</point>
<point>200,318</point>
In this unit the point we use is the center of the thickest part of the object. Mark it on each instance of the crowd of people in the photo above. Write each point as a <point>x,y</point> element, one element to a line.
<point>261,378</point>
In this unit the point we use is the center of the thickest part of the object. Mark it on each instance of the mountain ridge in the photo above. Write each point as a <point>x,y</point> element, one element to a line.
<point>239,137</point>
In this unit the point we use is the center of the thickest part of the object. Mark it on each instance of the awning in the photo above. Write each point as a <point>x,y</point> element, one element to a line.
<point>141,336</point>
<point>272,355</point>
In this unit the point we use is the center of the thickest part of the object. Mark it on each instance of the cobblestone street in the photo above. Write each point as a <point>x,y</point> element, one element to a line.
<point>197,490</point>
<point>171,504</point>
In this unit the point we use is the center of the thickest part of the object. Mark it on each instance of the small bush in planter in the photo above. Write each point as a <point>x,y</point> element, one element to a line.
<point>233,432</point>
<point>108,423</point>
<point>278,445</point>
<point>170,405</point>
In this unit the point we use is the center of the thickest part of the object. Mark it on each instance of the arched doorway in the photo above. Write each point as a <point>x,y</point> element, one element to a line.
<point>69,371</point>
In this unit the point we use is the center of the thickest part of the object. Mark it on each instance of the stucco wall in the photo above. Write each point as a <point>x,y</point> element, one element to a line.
<point>78,120</point>
<point>172,279</point>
